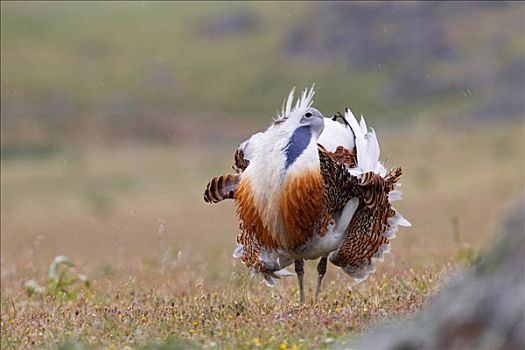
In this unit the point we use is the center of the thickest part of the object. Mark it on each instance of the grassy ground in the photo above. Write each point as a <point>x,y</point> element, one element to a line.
<point>159,259</point>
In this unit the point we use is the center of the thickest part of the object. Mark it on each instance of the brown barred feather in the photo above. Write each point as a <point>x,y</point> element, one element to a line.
<point>339,185</point>
<point>240,163</point>
<point>221,187</point>
<point>345,156</point>
<point>365,232</point>
<point>364,238</point>
<point>393,177</point>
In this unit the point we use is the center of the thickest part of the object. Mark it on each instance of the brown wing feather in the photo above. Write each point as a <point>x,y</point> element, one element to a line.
<point>345,156</point>
<point>365,234</point>
<point>240,163</point>
<point>221,188</point>
<point>339,185</point>
<point>224,186</point>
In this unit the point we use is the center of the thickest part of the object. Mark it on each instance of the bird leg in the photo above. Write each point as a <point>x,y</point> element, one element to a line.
<point>321,270</point>
<point>299,270</point>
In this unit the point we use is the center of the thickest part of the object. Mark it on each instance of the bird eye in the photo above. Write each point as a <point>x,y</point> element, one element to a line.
<point>308,115</point>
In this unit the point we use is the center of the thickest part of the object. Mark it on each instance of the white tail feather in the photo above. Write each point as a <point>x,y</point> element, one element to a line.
<point>360,273</point>
<point>395,195</point>
<point>284,273</point>
<point>336,134</point>
<point>367,147</point>
<point>398,220</point>
<point>362,124</point>
<point>238,251</point>
<point>391,232</point>
<point>360,144</point>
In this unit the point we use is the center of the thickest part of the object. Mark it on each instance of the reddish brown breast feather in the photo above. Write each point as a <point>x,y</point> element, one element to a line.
<point>253,231</point>
<point>303,208</point>
<point>301,212</point>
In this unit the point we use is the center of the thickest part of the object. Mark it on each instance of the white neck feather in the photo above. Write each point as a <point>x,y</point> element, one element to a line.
<point>266,171</point>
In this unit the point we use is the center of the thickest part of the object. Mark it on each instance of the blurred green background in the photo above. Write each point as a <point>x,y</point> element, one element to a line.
<point>116,114</point>
<point>108,72</point>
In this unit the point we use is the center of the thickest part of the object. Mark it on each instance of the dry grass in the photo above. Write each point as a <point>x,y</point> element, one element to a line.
<point>123,216</point>
<point>236,315</point>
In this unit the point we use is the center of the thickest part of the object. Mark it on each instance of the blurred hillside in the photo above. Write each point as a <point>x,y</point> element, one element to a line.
<point>93,73</point>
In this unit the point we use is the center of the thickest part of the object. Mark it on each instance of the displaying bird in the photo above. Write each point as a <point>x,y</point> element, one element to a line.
<point>311,187</point>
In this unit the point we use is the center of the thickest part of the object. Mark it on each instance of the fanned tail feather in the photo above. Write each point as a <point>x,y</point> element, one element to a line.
<point>367,147</point>
<point>371,228</point>
<point>221,188</point>
<point>376,222</point>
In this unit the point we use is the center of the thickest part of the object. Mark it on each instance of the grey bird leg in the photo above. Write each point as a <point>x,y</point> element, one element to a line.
<point>299,270</point>
<point>321,270</point>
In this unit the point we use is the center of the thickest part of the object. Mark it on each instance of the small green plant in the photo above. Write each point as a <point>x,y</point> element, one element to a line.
<point>63,280</point>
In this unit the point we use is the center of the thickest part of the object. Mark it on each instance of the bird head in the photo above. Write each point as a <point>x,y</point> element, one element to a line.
<point>302,113</point>
<point>297,128</point>
<point>314,120</point>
